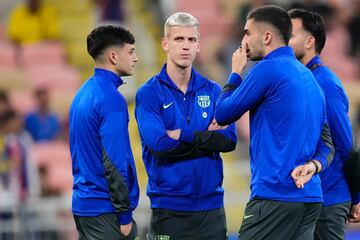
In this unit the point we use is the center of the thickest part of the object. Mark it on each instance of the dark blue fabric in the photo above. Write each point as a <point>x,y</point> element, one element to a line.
<point>191,184</point>
<point>99,121</point>
<point>333,181</point>
<point>287,114</point>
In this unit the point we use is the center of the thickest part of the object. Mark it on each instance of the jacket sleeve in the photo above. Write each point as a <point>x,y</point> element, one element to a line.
<point>211,141</point>
<point>239,96</point>
<point>342,136</point>
<point>340,126</point>
<point>153,132</point>
<point>325,149</point>
<point>115,161</point>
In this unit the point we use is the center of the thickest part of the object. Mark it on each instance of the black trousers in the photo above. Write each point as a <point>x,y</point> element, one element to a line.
<point>331,224</point>
<point>275,220</point>
<point>103,227</point>
<point>177,225</point>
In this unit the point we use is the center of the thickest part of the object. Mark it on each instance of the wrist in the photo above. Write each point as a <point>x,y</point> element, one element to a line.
<point>317,168</point>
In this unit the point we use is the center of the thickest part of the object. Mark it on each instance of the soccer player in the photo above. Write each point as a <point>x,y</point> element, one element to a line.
<point>181,141</point>
<point>308,40</point>
<point>105,190</point>
<point>287,115</point>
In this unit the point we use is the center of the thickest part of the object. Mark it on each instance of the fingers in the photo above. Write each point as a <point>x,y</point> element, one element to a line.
<point>301,175</point>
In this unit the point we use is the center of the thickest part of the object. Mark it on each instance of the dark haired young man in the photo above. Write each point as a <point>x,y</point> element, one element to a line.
<point>308,40</point>
<point>287,116</point>
<point>105,190</point>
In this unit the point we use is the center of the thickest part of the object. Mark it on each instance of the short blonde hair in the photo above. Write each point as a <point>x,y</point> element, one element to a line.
<point>181,19</point>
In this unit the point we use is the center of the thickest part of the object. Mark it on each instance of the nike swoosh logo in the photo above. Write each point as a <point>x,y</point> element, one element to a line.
<point>168,105</point>
<point>248,216</point>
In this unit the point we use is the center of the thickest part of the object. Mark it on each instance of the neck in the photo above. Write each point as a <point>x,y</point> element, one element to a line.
<point>272,47</point>
<point>180,76</point>
<point>106,67</point>
<point>307,57</point>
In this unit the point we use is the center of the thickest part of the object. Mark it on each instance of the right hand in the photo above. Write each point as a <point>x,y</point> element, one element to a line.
<point>303,173</point>
<point>126,229</point>
<point>354,216</point>
<point>239,59</point>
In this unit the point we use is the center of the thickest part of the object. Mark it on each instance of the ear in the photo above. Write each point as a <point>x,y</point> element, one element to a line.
<point>267,38</point>
<point>165,45</point>
<point>310,42</point>
<point>198,46</point>
<point>112,56</point>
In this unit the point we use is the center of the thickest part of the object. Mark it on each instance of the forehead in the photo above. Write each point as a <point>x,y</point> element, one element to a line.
<point>177,31</point>
<point>297,24</point>
<point>251,24</point>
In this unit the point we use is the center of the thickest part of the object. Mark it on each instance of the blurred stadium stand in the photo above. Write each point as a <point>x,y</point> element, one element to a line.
<point>62,66</point>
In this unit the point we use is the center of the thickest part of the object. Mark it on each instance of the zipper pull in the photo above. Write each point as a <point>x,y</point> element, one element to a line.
<point>188,119</point>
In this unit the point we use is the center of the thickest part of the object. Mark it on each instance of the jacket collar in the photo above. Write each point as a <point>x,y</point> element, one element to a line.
<point>108,76</point>
<point>313,61</point>
<point>279,52</point>
<point>196,80</point>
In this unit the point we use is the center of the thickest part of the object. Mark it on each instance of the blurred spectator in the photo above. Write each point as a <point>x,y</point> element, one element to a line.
<point>14,158</point>
<point>19,179</point>
<point>46,189</point>
<point>357,124</point>
<point>4,101</point>
<point>32,22</point>
<point>111,11</point>
<point>43,124</point>
<point>353,26</point>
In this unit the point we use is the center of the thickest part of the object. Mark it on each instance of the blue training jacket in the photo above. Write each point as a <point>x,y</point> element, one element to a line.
<point>333,181</point>
<point>287,115</point>
<point>184,175</point>
<point>104,173</point>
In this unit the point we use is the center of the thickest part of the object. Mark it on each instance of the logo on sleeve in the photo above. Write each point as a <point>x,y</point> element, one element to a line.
<point>204,101</point>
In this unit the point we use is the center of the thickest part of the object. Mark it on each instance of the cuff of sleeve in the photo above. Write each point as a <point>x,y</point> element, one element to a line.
<point>125,217</point>
<point>234,79</point>
<point>323,162</point>
<point>355,198</point>
<point>186,135</point>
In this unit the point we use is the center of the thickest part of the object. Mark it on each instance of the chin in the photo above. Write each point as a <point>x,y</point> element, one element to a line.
<point>184,64</point>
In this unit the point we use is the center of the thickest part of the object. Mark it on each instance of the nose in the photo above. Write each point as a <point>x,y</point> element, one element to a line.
<point>185,45</point>
<point>135,59</point>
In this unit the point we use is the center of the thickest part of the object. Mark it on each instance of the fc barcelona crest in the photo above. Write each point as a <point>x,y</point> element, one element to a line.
<point>204,101</point>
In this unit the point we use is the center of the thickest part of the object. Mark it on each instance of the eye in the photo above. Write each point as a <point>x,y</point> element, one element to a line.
<point>193,40</point>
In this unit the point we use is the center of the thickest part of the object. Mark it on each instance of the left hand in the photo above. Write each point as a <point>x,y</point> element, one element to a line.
<point>215,126</point>
<point>303,173</point>
<point>174,134</point>
<point>354,216</point>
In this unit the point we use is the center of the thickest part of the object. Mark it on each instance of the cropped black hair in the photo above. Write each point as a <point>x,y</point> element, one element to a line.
<point>313,23</point>
<point>105,36</point>
<point>276,17</point>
